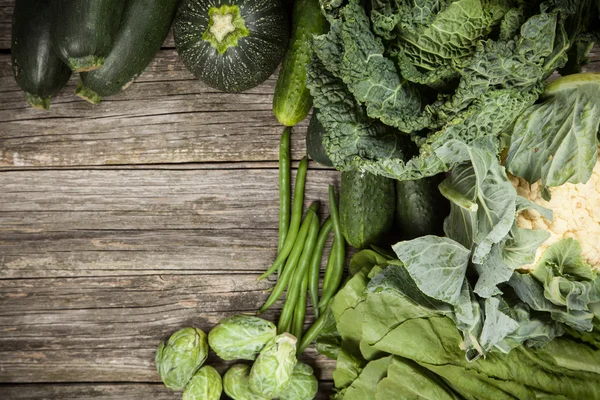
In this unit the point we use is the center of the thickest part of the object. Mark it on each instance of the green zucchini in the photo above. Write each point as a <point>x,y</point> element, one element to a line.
<point>367,204</point>
<point>292,100</point>
<point>144,26</point>
<point>420,207</point>
<point>37,68</point>
<point>83,31</point>
<point>231,45</point>
<point>314,140</point>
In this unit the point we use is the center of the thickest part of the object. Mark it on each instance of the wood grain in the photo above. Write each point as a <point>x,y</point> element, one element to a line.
<point>166,116</point>
<point>86,391</point>
<point>91,329</point>
<point>57,201</point>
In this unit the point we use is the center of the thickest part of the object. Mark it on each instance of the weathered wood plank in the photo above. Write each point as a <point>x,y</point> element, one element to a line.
<point>136,252</point>
<point>166,116</point>
<point>85,391</point>
<point>107,329</point>
<point>38,201</point>
<point>6,12</point>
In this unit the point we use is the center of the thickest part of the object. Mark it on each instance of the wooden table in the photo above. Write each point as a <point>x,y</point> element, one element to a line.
<point>122,222</point>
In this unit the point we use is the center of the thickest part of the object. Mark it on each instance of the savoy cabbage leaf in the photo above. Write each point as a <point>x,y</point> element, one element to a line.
<point>362,93</point>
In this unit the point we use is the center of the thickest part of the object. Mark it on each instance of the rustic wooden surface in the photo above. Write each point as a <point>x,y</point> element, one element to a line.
<point>122,222</point>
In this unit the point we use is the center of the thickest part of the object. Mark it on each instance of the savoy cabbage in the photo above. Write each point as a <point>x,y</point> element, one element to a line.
<point>435,71</point>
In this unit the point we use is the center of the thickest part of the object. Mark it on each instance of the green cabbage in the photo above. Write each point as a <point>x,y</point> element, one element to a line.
<point>435,70</point>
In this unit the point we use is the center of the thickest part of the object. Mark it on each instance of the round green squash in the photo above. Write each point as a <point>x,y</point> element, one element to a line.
<point>231,45</point>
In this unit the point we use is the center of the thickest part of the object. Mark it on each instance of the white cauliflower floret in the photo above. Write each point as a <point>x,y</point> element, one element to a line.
<point>576,214</point>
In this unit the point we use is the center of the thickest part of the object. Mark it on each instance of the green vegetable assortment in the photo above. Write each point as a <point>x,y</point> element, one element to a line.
<point>452,133</point>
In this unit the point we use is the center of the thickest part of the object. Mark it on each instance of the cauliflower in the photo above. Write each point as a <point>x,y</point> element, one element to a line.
<point>576,214</point>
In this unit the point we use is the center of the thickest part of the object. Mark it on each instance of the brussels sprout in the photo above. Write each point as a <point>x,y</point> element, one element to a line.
<point>204,385</point>
<point>236,385</point>
<point>272,371</point>
<point>179,358</point>
<point>304,384</point>
<point>241,337</point>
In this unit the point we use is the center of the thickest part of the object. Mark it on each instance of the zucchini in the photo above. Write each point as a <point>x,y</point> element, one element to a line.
<point>420,207</point>
<point>314,141</point>
<point>83,31</point>
<point>231,45</point>
<point>37,68</point>
<point>367,204</point>
<point>292,100</point>
<point>144,26</point>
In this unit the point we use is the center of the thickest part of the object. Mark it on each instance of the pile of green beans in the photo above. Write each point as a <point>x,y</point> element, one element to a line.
<point>300,251</point>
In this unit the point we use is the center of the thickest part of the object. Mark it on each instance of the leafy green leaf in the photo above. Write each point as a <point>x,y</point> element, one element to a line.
<point>491,199</point>
<point>534,331</point>
<point>498,323</point>
<point>407,380</point>
<point>532,293</point>
<point>568,280</point>
<point>436,264</point>
<point>555,141</point>
<point>329,340</point>
<point>365,386</point>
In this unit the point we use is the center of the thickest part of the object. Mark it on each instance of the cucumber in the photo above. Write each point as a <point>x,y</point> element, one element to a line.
<point>420,207</point>
<point>367,204</point>
<point>144,26</point>
<point>292,100</point>
<point>83,31</point>
<point>37,68</point>
<point>314,141</point>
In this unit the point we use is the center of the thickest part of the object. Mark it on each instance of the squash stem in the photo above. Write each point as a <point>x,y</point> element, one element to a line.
<point>39,102</point>
<point>86,63</point>
<point>87,94</point>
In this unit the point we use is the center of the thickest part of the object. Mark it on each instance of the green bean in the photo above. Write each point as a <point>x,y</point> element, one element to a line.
<point>300,272</point>
<point>311,334</point>
<point>329,266</point>
<point>294,222</point>
<point>300,311</point>
<point>284,186</point>
<point>336,271</point>
<point>292,261</point>
<point>315,265</point>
